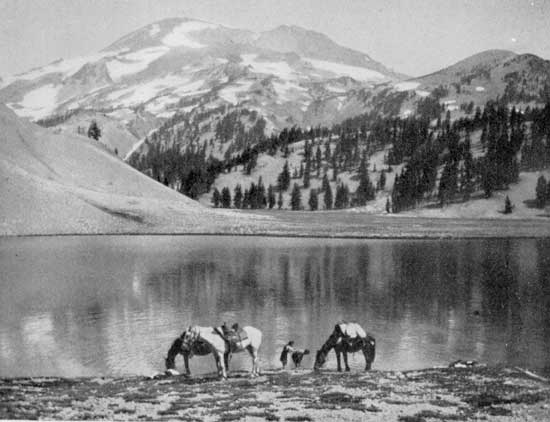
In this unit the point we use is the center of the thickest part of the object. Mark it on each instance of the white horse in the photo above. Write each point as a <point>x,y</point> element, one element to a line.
<point>219,346</point>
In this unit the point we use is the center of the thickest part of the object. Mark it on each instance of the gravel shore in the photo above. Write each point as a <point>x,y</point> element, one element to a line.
<point>440,394</point>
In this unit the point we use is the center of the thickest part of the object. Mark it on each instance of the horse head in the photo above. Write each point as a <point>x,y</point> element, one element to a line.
<point>320,359</point>
<point>174,350</point>
<point>321,356</point>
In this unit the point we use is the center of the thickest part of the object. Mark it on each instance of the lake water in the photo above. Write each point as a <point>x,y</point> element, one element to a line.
<point>111,305</point>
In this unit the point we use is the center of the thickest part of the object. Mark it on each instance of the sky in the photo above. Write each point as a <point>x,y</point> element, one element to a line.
<point>414,37</point>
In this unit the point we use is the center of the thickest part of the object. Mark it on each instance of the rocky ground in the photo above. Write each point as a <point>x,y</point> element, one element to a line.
<point>444,394</point>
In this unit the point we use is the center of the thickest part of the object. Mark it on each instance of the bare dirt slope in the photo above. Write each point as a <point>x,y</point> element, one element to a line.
<point>56,183</point>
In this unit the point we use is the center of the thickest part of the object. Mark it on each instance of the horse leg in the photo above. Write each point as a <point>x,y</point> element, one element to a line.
<point>218,365</point>
<point>186,361</point>
<point>368,363</point>
<point>346,360</point>
<point>222,364</point>
<point>338,360</point>
<point>254,355</point>
<point>226,360</point>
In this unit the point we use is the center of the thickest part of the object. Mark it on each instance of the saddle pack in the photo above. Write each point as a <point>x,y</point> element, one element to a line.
<point>232,336</point>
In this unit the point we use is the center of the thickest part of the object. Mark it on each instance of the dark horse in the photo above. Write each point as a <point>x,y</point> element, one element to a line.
<point>199,348</point>
<point>347,338</point>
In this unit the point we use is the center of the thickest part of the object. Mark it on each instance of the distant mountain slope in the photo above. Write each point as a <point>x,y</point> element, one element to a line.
<point>516,79</point>
<point>69,184</point>
<point>172,65</point>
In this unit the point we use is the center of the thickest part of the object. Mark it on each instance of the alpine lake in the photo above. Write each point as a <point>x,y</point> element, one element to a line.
<point>111,305</point>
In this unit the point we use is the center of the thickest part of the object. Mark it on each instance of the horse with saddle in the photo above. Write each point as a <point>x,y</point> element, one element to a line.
<point>222,341</point>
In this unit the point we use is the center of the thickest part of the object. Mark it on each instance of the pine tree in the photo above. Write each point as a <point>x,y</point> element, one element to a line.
<point>307,174</point>
<point>382,180</point>
<point>94,131</point>
<point>313,200</point>
<point>327,193</point>
<point>246,199</point>
<point>334,167</point>
<point>507,206</point>
<point>216,198</point>
<point>388,205</point>
<point>284,178</point>
<point>541,192</point>
<point>253,196</point>
<point>295,198</point>
<point>226,198</point>
<point>466,181</point>
<point>238,197</point>
<point>325,183</point>
<point>260,194</point>
<point>280,200</point>
<point>318,160</point>
<point>342,197</point>
<point>365,190</point>
<point>270,197</point>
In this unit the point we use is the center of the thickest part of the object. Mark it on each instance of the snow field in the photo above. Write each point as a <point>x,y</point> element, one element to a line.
<point>38,103</point>
<point>406,86</point>
<point>281,69</point>
<point>180,35</point>
<point>355,72</point>
<point>135,62</point>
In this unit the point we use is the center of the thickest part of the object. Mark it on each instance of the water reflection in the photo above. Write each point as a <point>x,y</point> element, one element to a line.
<point>112,305</point>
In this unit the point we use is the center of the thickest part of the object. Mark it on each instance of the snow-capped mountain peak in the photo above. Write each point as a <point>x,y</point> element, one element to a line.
<point>288,74</point>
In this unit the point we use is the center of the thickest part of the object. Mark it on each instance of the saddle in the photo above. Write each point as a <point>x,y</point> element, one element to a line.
<point>351,332</point>
<point>232,336</point>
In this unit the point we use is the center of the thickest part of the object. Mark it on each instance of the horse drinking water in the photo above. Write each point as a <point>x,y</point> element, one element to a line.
<point>247,338</point>
<point>347,337</point>
<point>199,348</point>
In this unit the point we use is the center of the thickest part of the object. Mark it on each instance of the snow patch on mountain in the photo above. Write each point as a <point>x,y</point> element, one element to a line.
<point>406,86</point>
<point>233,93</point>
<point>287,91</point>
<point>355,72</point>
<point>179,37</point>
<point>38,103</point>
<point>134,62</point>
<point>281,69</point>
<point>66,67</point>
<point>155,29</point>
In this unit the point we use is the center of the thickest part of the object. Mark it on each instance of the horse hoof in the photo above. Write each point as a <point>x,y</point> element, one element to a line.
<point>347,369</point>
<point>339,369</point>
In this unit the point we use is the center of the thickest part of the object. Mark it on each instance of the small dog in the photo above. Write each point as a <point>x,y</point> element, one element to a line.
<point>298,355</point>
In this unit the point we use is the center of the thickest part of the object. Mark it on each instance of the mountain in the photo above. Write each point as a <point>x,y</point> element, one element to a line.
<point>69,184</point>
<point>289,75</point>
<point>520,79</point>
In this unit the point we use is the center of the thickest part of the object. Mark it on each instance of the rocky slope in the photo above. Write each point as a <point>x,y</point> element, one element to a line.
<point>521,79</point>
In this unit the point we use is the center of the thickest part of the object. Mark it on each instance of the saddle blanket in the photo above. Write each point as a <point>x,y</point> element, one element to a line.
<point>352,330</point>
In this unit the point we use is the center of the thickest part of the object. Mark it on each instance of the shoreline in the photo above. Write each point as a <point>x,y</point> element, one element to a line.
<point>331,225</point>
<point>472,393</point>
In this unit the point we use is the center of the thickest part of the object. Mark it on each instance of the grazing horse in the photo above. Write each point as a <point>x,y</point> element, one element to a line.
<point>198,348</point>
<point>347,338</point>
<point>220,348</point>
